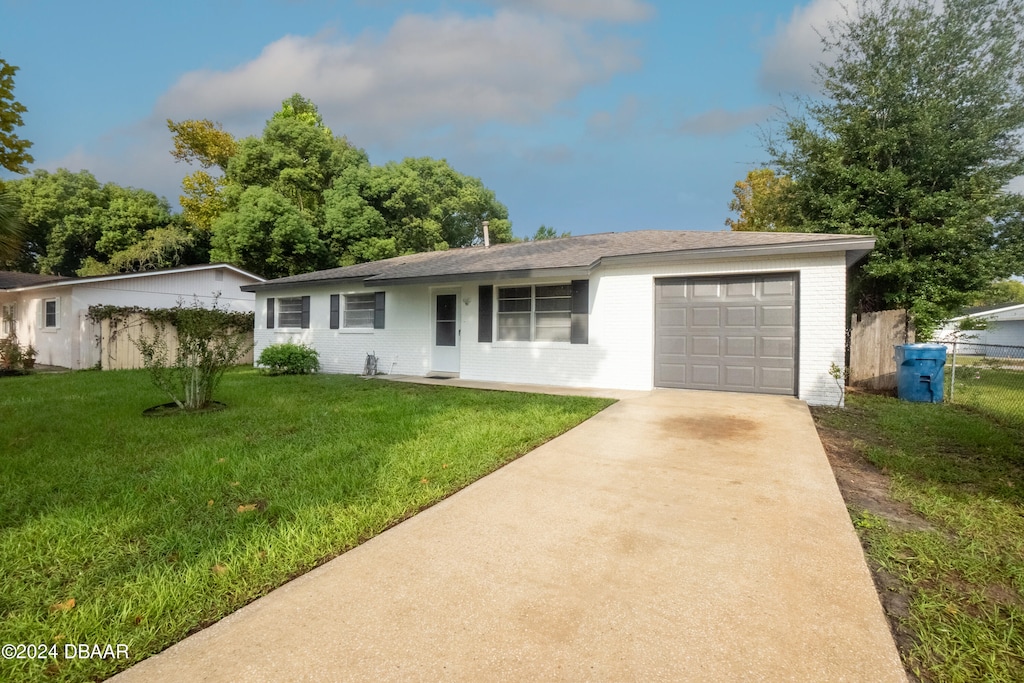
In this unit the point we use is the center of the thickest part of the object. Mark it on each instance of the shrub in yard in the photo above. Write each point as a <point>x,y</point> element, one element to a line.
<point>10,353</point>
<point>210,340</point>
<point>289,359</point>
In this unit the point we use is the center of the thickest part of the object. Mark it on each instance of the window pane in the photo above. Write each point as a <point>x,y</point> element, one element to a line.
<point>445,307</point>
<point>289,312</point>
<point>553,327</point>
<point>514,326</point>
<point>544,291</point>
<point>514,293</point>
<point>359,310</point>
<point>446,333</point>
<point>514,306</point>
<point>560,304</point>
<point>51,313</point>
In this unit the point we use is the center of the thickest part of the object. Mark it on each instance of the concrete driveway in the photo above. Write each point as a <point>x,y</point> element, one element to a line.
<point>676,536</point>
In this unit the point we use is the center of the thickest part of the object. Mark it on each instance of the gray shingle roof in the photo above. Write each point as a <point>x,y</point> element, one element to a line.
<point>584,251</point>
<point>10,279</point>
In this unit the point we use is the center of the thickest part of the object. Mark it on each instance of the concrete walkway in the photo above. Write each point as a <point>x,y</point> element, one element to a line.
<point>677,536</point>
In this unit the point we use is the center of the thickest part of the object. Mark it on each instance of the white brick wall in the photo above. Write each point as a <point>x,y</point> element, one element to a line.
<point>620,352</point>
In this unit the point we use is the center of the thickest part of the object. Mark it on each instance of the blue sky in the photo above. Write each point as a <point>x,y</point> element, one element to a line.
<point>585,115</point>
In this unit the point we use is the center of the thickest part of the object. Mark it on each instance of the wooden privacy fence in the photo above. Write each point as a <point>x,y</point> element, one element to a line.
<point>117,352</point>
<point>872,338</point>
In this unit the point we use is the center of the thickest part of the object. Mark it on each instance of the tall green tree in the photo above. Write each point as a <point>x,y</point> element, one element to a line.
<point>73,225</point>
<point>13,149</point>
<point>418,204</point>
<point>267,234</point>
<point>546,232</point>
<point>1001,292</point>
<point>11,230</point>
<point>759,201</point>
<point>203,142</point>
<point>13,157</point>
<point>914,138</point>
<point>300,192</point>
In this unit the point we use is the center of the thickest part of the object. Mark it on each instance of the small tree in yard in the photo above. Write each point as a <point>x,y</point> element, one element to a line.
<point>210,340</point>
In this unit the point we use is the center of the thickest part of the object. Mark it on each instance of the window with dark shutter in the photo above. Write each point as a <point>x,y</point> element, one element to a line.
<point>335,311</point>
<point>305,312</point>
<point>580,333</point>
<point>360,310</point>
<point>485,313</point>
<point>270,313</point>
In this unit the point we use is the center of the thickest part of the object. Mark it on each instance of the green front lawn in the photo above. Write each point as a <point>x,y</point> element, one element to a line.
<point>964,473</point>
<point>121,529</point>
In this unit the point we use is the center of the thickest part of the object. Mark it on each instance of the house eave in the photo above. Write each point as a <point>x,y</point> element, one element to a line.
<point>491,275</point>
<point>264,286</point>
<point>96,279</point>
<point>855,250</point>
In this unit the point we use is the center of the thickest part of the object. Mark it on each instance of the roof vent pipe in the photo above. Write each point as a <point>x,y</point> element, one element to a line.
<point>487,234</point>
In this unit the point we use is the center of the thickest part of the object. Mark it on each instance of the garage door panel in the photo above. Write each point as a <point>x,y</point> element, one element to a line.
<point>740,316</point>
<point>673,290</point>
<point>780,379</point>
<point>777,316</point>
<point>703,289</point>
<point>674,345</point>
<point>705,316</point>
<point>779,286</point>
<point>740,347</point>
<point>741,377</point>
<point>705,346</point>
<point>673,316</point>
<point>729,333</point>
<point>743,288</point>
<point>705,375</point>
<point>776,347</point>
<point>674,374</point>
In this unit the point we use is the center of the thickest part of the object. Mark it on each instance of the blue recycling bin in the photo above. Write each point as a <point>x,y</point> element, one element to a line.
<point>920,372</point>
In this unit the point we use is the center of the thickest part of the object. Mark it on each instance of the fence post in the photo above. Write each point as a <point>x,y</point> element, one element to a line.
<point>952,375</point>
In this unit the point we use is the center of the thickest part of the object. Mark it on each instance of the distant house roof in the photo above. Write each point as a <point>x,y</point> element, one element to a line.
<point>1000,312</point>
<point>582,253</point>
<point>31,281</point>
<point>10,279</point>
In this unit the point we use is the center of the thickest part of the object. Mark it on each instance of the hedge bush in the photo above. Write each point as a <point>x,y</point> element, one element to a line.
<point>289,359</point>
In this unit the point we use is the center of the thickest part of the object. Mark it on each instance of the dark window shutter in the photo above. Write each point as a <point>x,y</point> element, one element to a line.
<point>305,312</point>
<point>580,312</point>
<point>270,313</point>
<point>378,310</point>
<point>335,311</point>
<point>485,322</point>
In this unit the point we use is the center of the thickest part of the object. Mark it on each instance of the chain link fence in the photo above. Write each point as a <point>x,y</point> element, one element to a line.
<point>987,377</point>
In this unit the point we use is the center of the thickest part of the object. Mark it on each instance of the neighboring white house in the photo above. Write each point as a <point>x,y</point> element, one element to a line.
<point>733,311</point>
<point>50,312</point>
<point>1005,329</point>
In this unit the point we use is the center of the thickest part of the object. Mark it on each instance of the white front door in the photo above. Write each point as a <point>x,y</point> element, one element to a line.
<point>447,332</point>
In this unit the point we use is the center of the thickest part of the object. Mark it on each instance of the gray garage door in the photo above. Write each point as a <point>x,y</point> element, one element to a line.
<point>727,333</point>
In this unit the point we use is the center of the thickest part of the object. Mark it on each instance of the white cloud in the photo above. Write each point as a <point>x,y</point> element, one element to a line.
<point>588,10</point>
<point>795,47</point>
<point>723,121</point>
<point>425,73</point>
<point>135,156</point>
<point>617,122</point>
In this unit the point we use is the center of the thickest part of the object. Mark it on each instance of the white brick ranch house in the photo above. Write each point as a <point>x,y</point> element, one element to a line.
<point>732,311</point>
<point>50,312</point>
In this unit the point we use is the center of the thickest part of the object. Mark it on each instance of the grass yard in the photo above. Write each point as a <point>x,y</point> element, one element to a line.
<point>953,580</point>
<point>121,529</point>
<point>991,385</point>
